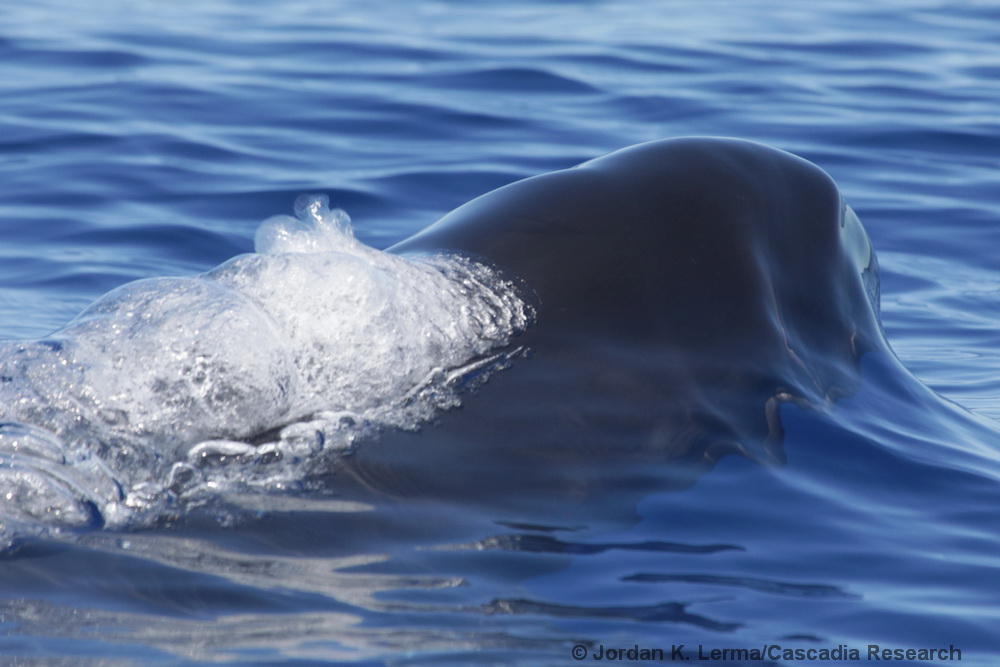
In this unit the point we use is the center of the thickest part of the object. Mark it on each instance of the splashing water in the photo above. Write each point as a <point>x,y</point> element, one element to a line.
<point>169,391</point>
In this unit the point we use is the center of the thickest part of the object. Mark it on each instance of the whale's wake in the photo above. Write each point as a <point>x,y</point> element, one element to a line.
<point>170,391</point>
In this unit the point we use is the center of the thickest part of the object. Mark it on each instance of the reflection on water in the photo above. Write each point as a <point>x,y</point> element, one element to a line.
<point>286,586</point>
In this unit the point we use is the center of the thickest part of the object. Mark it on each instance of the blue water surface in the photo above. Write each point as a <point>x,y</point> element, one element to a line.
<point>142,139</point>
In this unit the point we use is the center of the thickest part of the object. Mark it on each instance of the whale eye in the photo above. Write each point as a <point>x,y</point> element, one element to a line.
<point>859,249</point>
<point>855,239</point>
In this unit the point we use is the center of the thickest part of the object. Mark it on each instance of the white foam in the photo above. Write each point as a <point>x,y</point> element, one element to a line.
<point>156,391</point>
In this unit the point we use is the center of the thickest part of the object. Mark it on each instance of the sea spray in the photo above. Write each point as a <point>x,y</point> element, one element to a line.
<point>175,390</point>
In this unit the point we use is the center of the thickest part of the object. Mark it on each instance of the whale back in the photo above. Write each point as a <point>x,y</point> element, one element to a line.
<point>685,290</point>
<point>724,261</point>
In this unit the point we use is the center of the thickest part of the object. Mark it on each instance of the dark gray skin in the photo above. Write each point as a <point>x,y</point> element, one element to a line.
<point>684,289</point>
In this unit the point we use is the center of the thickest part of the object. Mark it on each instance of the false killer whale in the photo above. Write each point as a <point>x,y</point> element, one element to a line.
<point>685,289</point>
<point>657,305</point>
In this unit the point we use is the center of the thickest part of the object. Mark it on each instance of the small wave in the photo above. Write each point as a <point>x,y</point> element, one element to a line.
<point>519,79</point>
<point>549,544</point>
<point>752,583</point>
<point>664,612</point>
<point>168,391</point>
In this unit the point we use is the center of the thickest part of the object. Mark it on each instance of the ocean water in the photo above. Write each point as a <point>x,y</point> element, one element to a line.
<point>142,140</point>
